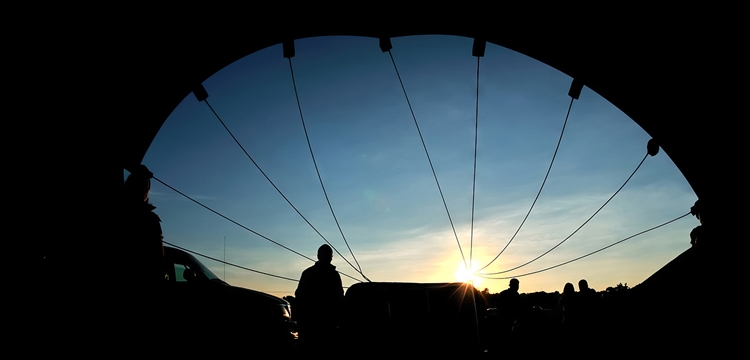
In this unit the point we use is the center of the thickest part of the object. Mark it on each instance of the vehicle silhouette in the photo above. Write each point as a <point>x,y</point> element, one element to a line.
<point>195,298</point>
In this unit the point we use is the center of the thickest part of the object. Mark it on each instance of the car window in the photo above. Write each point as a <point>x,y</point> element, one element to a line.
<point>178,271</point>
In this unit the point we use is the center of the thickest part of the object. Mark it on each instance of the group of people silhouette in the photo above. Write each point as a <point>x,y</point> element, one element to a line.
<point>578,309</point>
<point>575,312</point>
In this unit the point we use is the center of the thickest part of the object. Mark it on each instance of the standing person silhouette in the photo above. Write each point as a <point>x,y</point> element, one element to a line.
<point>140,264</point>
<point>588,308</point>
<point>569,306</point>
<point>319,297</point>
<point>143,240</point>
<point>510,306</point>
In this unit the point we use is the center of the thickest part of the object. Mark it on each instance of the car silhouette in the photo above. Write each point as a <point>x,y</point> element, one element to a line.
<point>425,318</point>
<point>197,301</point>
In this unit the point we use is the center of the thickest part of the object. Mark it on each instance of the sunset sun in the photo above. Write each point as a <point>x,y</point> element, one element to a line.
<point>464,275</point>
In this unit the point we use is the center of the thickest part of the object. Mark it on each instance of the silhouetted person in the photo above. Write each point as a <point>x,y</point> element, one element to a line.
<point>588,295</point>
<point>568,307</point>
<point>141,227</point>
<point>509,301</point>
<point>588,301</point>
<point>695,234</point>
<point>320,298</point>
<point>138,263</point>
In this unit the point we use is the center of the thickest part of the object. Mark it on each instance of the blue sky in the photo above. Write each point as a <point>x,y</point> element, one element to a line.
<point>380,183</point>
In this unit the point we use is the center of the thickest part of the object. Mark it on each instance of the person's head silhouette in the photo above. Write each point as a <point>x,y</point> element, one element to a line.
<point>696,210</point>
<point>138,184</point>
<point>568,289</point>
<point>514,284</point>
<point>583,285</point>
<point>325,254</point>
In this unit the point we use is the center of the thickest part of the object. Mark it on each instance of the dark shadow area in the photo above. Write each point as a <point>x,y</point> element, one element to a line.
<point>95,92</point>
<point>398,319</point>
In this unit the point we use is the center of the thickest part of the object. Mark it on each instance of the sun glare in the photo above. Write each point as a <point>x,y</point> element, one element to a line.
<point>464,275</point>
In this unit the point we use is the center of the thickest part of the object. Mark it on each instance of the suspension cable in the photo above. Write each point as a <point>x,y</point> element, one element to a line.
<point>320,179</point>
<point>274,185</point>
<point>240,225</point>
<point>428,159</point>
<point>474,182</point>
<point>554,155</point>
<point>579,228</point>
<point>239,266</point>
<point>589,254</point>
<point>230,264</point>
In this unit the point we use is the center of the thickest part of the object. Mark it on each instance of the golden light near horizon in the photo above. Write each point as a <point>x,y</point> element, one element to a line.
<point>468,275</point>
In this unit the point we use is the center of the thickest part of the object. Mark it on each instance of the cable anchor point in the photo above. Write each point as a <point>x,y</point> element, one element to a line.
<point>478,48</point>
<point>288,49</point>
<point>652,147</point>
<point>575,89</point>
<point>385,44</point>
<point>200,93</point>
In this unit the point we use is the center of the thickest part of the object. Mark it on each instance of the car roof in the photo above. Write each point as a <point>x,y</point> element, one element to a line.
<point>171,252</point>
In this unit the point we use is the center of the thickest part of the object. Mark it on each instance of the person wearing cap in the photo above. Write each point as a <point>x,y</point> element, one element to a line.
<point>143,240</point>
